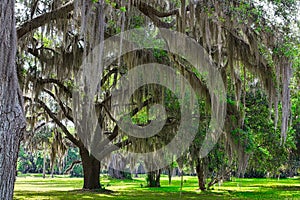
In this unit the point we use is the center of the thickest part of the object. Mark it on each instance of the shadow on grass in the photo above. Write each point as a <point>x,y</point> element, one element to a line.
<point>284,187</point>
<point>132,189</point>
<point>108,194</point>
<point>71,194</point>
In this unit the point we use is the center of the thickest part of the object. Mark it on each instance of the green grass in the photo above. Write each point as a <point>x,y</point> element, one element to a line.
<point>62,187</point>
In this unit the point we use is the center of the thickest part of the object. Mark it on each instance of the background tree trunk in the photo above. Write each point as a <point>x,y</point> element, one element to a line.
<point>200,174</point>
<point>154,178</point>
<point>44,160</point>
<point>52,170</point>
<point>170,171</point>
<point>91,170</point>
<point>12,121</point>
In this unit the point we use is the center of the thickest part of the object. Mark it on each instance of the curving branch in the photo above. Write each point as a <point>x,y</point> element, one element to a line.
<point>58,122</point>
<point>112,148</point>
<point>44,56</point>
<point>69,169</point>
<point>64,108</point>
<point>57,82</point>
<point>44,19</point>
<point>154,14</point>
<point>150,9</point>
<point>106,77</point>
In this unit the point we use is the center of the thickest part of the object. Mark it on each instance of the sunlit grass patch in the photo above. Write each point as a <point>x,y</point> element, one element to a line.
<point>62,187</point>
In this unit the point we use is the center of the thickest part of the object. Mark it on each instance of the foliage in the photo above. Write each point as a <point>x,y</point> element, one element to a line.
<point>268,155</point>
<point>32,162</point>
<point>242,38</point>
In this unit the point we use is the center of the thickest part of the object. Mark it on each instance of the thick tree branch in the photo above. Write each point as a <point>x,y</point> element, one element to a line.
<point>58,122</point>
<point>36,52</point>
<point>154,15</point>
<point>112,148</point>
<point>44,19</point>
<point>108,112</point>
<point>106,77</point>
<point>57,82</point>
<point>61,105</point>
<point>150,9</point>
<point>115,132</point>
<point>69,169</point>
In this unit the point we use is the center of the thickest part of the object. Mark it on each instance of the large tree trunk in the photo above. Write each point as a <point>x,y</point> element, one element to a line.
<point>200,174</point>
<point>91,170</point>
<point>12,122</point>
<point>154,178</point>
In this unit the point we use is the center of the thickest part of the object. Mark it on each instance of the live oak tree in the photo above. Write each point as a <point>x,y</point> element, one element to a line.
<point>239,37</point>
<point>12,122</point>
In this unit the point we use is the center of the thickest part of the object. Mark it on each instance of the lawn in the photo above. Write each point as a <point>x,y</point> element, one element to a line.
<point>62,187</point>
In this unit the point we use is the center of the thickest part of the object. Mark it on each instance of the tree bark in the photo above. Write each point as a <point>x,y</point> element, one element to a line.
<point>91,170</point>
<point>157,180</point>
<point>44,19</point>
<point>52,171</point>
<point>170,170</point>
<point>154,178</point>
<point>44,160</point>
<point>200,174</point>
<point>70,168</point>
<point>12,121</point>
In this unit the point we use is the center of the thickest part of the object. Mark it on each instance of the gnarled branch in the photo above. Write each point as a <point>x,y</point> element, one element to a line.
<point>154,15</point>
<point>58,122</point>
<point>44,19</point>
